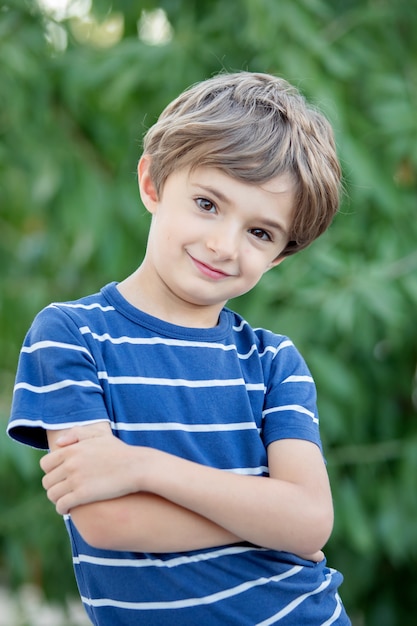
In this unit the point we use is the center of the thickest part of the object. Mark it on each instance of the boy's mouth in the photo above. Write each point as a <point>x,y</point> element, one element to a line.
<point>208,270</point>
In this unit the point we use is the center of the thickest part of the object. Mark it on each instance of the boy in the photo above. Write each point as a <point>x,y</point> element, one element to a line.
<point>185,451</point>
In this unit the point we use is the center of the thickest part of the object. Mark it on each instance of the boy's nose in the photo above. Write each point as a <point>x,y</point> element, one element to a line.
<point>224,242</point>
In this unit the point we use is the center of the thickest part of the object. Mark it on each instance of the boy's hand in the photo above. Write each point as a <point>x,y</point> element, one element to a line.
<point>88,464</point>
<point>73,435</point>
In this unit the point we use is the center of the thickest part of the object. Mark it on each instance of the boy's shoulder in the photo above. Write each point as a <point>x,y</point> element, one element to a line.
<point>275,353</point>
<point>262,337</point>
<point>96,301</point>
<point>89,302</point>
<point>59,317</point>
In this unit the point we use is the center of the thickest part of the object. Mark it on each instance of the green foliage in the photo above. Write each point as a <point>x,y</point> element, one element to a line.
<point>71,123</point>
<point>31,539</point>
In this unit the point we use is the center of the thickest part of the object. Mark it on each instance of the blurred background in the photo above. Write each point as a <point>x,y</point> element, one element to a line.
<point>80,82</point>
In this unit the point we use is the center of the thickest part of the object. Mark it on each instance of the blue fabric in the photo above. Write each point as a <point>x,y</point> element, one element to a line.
<point>216,396</point>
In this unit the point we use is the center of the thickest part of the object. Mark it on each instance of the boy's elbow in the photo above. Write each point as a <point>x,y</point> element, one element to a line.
<point>321,527</point>
<point>311,529</point>
<point>109,525</point>
<point>93,523</point>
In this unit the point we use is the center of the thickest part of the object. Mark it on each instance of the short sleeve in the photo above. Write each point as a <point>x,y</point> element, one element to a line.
<point>57,382</point>
<point>290,407</point>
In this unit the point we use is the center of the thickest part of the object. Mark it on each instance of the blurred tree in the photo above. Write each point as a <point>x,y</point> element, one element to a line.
<point>77,91</point>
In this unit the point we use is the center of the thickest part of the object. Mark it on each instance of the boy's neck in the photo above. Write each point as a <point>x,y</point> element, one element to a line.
<point>137,291</point>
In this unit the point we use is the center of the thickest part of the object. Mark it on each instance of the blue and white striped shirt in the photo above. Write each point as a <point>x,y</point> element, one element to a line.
<point>216,396</point>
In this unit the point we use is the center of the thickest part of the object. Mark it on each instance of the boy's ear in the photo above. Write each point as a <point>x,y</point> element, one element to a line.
<point>147,189</point>
<point>275,262</point>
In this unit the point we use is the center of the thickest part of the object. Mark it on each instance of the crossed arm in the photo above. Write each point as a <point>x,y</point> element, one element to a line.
<point>162,503</point>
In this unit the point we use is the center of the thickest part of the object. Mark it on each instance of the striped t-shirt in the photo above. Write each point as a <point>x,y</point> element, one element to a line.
<point>216,396</point>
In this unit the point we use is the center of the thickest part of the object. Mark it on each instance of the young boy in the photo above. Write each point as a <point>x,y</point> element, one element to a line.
<point>185,450</point>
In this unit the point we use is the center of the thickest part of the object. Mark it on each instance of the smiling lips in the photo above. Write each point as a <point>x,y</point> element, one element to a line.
<point>207,270</point>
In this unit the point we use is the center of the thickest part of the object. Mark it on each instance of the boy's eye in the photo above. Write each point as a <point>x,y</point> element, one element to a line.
<point>205,205</point>
<point>260,234</point>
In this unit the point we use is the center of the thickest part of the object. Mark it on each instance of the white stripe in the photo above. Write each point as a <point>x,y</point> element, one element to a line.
<point>189,602</point>
<point>170,382</point>
<point>272,349</point>
<point>192,428</point>
<point>298,379</point>
<point>242,324</point>
<point>248,354</point>
<point>293,605</point>
<point>292,407</point>
<point>249,471</point>
<point>151,341</point>
<point>255,387</point>
<point>168,563</point>
<point>284,344</point>
<point>56,386</point>
<point>39,345</point>
<point>276,349</point>
<point>336,613</point>
<point>47,426</point>
<point>88,307</point>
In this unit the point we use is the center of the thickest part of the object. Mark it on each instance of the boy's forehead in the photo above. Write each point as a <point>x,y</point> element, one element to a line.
<point>213,176</point>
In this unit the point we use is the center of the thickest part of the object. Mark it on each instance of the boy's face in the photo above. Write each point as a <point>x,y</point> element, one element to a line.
<point>212,237</point>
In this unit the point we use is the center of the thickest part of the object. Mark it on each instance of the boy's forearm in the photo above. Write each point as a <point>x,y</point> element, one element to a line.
<point>147,523</point>
<point>269,512</point>
<point>290,511</point>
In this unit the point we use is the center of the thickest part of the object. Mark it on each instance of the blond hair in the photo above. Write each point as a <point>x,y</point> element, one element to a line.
<point>253,127</point>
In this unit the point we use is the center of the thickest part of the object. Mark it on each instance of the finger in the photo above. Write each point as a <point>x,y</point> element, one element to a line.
<point>50,461</point>
<point>68,439</point>
<point>61,509</point>
<point>66,499</point>
<point>57,492</point>
<point>99,430</point>
<point>53,459</point>
<point>63,506</point>
<point>53,478</point>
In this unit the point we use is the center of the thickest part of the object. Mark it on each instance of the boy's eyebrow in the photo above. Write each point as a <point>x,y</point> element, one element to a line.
<point>264,220</point>
<point>273,225</point>
<point>214,192</point>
